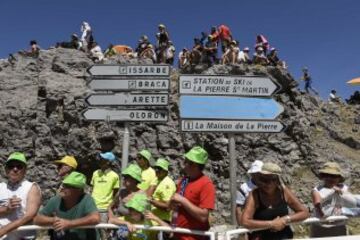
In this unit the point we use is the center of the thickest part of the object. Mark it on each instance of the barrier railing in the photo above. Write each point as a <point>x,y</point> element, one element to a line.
<point>228,234</point>
<point>161,229</point>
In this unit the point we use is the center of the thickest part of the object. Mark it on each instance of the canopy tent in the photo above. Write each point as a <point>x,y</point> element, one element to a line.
<point>355,81</point>
<point>122,49</point>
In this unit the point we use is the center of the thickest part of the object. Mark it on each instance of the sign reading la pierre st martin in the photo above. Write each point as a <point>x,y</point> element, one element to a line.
<point>141,90</point>
<point>258,86</point>
<point>236,104</point>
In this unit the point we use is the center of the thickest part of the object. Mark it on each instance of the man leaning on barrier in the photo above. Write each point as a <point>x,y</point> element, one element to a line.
<point>70,209</point>
<point>19,199</point>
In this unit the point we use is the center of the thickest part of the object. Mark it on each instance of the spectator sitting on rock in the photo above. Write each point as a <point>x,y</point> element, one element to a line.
<point>95,53</point>
<point>110,51</point>
<point>149,53</point>
<point>259,57</point>
<point>184,56</point>
<point>354,99</point>
<point>246,188</point>
<point>74,43</point>
<point>20,199</point>
<point>244,57</point>
<point>333,98</point>
<point>142,44</point>
<point>231,54</point>
<point>273,57</point>
<point>170,53</point>
<point>261,41</point>
<point>70,209</point>
<point>34,50</point>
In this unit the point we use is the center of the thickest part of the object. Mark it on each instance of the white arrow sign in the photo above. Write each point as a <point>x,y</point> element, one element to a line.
<point>227,85</point>
<point>128,99</point>
<point>231,126</point>
<point>129,115</point>
<point>129,70</point>
<point>129,84</point>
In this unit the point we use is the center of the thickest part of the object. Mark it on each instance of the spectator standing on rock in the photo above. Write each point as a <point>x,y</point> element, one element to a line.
<point>308,81</point>
<point>131,179</point>
<point>268,205</point>
<point>20,199</point>
<point>261,41</point>
<point>328,200</point>
<point>70,209</point>
<point>166,188</point>
<point>195,196</point>
<point>246,188</point>
<point>142,44</point>
<point>105,184</point>
<point>148,175</point>
<point>162,43</point>
<point>210,52</point>
<point>224,36</point>
<point>86,36</point>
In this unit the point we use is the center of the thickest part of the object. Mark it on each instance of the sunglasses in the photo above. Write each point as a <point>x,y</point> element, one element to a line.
<point>267,179</point>
<point>18,166</point>
<point>325,175</point>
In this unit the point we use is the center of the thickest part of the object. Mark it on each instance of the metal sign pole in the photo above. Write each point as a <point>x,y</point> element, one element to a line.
<point>232,169</point>
<point>125,147</point>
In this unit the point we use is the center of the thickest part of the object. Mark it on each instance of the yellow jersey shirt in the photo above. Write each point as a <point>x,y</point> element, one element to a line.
<point>104,184</point>
<point>149,178</point>
<point>163,192</point>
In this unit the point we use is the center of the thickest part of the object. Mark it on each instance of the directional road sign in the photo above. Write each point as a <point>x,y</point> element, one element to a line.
<point>227,85</point>
<point>129,84</point>
<point>128,99</point>
<point>252,126</point>
<point>231,108</point>
<point>129,115</point>
<point>129,70</point>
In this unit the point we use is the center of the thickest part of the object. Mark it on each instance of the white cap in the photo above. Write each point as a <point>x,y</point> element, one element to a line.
<point>255,167</point>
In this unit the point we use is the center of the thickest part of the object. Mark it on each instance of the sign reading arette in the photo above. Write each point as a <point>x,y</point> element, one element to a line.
<point>227,85</point>
<point>231,126</point>
<point>129,70</point>
<point>128,99</point>
<point>133,115</point>
<point>129,84</point>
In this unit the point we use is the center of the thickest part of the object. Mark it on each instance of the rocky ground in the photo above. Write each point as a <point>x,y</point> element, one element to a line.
<point>41,102</point>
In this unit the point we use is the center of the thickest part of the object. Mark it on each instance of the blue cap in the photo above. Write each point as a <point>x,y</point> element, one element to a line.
<point>108,156</point>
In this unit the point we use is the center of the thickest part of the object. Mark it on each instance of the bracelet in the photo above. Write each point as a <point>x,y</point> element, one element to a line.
<point>287,219</point>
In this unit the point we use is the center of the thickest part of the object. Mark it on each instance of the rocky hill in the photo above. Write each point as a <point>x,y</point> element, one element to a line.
<point>41,101</point>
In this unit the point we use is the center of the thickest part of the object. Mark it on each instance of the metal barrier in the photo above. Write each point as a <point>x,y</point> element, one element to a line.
<point>228,234</point>
<point>161,229</point>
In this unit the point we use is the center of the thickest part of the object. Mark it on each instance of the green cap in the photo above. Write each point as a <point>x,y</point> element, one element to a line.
<point>146,154</point>
<point>197,155</point>
<point>134,171</point>
<point>75,179</point>
<point>138,202</point>
<point>17,156</point>
<point>162,163</point>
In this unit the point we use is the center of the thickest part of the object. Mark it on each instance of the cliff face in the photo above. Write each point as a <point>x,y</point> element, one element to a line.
<point>41,102</point>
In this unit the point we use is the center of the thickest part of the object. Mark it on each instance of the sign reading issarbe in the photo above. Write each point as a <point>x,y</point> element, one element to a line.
<point>129,70</point>
<point>227,85</point>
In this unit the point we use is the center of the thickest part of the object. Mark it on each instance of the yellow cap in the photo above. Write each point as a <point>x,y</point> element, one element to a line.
<point>68,160</point>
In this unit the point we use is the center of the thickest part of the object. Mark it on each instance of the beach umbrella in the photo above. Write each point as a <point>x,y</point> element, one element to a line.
<point>355,81</point>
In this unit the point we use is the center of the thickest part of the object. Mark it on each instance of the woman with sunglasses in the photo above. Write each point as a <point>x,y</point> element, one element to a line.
<point>267,207</point>
<point>328,199</point>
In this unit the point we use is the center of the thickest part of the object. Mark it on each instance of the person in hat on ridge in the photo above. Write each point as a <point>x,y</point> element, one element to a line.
<point>138,207</point>
<point>164,191</point>
<point>20,199</point>
<point>195,195</point>
<point>333,98</point>
<point>328,200</point>
<point>66,165</point>
<point>131,179</point>
<point>105,184</point>
<point>243,56</point>
<point>148,175</point>
<point>260,57</point>
<point>246,188</point>
<point>162,43</point>
<point>268,205</point>
<point>308,81</point>
<point>70,209</point>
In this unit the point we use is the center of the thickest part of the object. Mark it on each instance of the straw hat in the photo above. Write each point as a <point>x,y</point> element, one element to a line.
<point>270,169</point>
<point>332,168</point>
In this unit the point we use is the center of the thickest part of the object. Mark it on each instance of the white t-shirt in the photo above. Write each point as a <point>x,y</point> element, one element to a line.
<point>245,189</point>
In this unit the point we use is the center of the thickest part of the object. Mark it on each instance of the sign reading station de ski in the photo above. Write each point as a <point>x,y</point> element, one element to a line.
<point>130,115</point>
<point>129,70</point>
<point>259,86</point>
<point>231,126</point>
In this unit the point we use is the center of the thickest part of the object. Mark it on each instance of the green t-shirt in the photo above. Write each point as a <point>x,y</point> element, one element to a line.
<point>163,192</point>
<point>85,206</point>
<point>104,184</point>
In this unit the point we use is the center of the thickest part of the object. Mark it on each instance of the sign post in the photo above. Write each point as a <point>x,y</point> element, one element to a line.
<point>229,104</point>
<point>133,93</point>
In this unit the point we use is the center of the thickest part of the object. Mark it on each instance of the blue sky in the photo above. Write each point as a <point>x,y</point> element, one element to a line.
<point>320,34</point>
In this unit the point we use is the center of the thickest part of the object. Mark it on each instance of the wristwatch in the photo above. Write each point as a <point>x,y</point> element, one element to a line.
<point>287,219</point>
